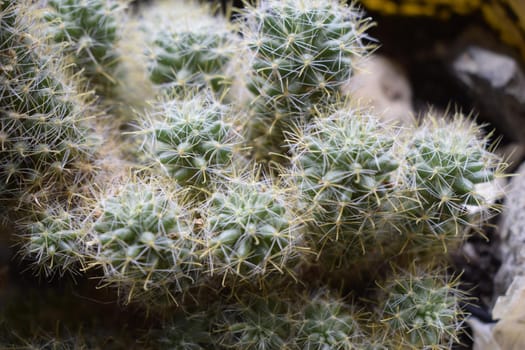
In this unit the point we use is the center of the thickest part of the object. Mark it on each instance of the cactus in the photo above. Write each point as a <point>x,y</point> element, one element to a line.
<point>89,31</point>
<point>190,53</point>
<point>55,242</point>
<point>145,240</point>
<point>46,141</point>
<point>421,309</point>
<point>251,230</point>
<point>192,139</point>
<point>301,52</point>
<point>213,248</point>
<point>255,323</point>
<point>328,323</point>
<point>343,166</point>
<point>185,331</point>
<point>445,161</point>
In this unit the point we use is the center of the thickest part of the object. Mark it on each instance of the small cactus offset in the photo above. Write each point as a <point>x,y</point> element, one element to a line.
<point>343,165</point>
<point>256,322</point>
<point>328,323</point>
<point>185,331</point>
<point>445,161</point>
<point>421,310</point>
<point>238,201</point>
<point>56,241</point>
<point>303,51</point>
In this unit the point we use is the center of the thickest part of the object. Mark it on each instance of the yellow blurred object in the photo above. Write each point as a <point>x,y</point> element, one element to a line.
<point>506,17</point>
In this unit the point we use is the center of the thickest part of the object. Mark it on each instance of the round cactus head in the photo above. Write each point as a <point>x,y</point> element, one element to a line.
<point>446,160</point>
<point>343,165</point>
<point>57,241</point>
<point>191,48</point>
<point>303,51</point>
<point>193,139</point>
<point>251,229</point>
<point>89,30</point>
<point>327,322</point>
<point>421,309</point>
<point>256,322</point>
<point>145,239</point>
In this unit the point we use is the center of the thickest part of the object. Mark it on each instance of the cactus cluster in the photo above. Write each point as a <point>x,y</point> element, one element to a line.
<point>194,231</point>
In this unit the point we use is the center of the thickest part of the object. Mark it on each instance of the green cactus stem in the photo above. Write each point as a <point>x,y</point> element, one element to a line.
<point>190,52</point>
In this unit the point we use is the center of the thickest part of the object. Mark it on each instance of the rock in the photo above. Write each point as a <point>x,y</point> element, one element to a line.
<point>512,234</point>
<point>482,335</point>
<point>510,310</point>
<point>497,83</point>
<point>382,85</point>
